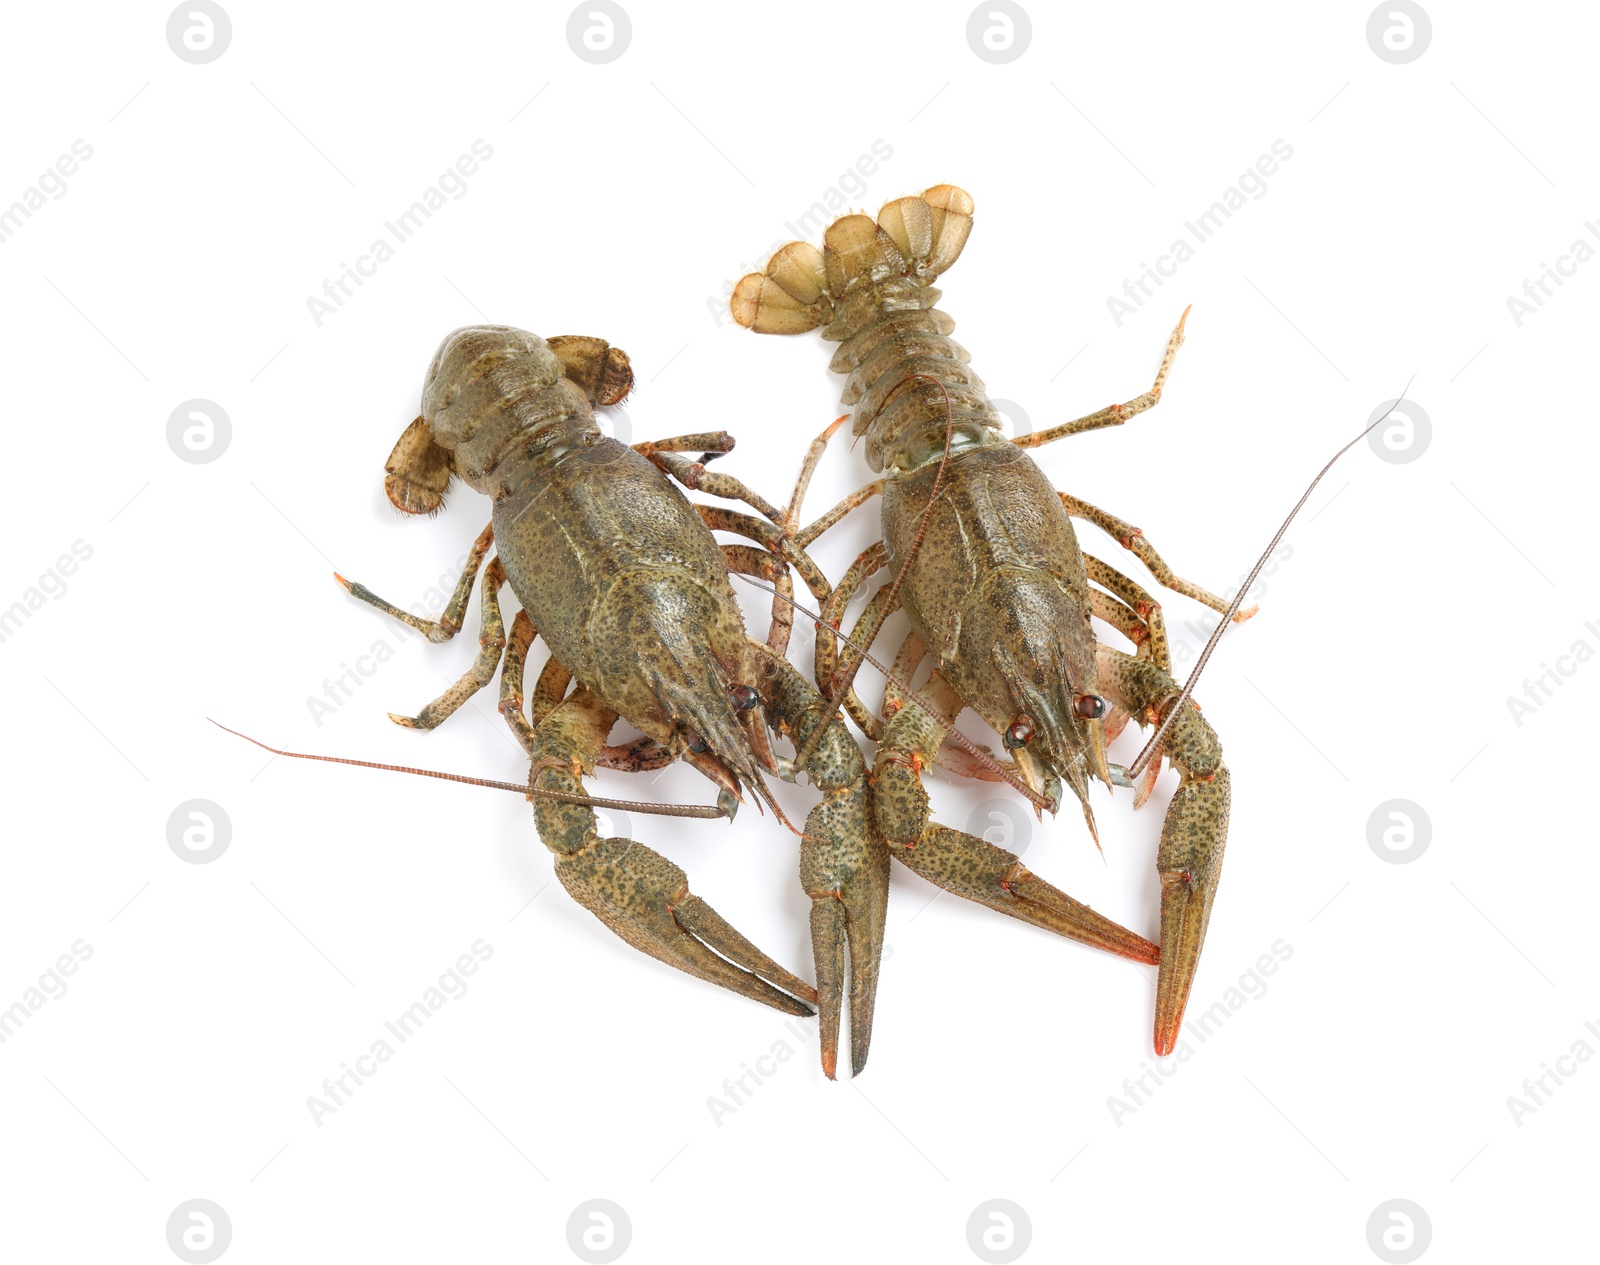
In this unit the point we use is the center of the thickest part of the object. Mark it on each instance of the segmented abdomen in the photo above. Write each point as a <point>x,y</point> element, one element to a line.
<point>910,383</point>
<point>490,393</point>
<point>871,289</point>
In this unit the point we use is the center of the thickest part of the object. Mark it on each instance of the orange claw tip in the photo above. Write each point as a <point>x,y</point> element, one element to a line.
<point>1166,1039</point>
<point>837,422</point>
<point>343,583</point>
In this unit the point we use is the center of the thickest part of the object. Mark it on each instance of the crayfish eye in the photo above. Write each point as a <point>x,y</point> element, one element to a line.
<point>697,744</point>
<point>743,697</point>
<point>1020,732</point>
<point>1089,707</point>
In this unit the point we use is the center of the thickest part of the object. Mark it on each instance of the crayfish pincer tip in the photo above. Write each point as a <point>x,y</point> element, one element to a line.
<point>343,583</point>
<point>728,804</point>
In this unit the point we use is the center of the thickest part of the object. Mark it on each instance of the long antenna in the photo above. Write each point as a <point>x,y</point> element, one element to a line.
<point>1150,748</point>
<point>521,788</point>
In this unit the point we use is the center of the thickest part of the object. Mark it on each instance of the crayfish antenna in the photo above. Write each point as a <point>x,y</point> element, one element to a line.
<point>1094,831</point>
<point>521,788</point>
<point>1150,748</point>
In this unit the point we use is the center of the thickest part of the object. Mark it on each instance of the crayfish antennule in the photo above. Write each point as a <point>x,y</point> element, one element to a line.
<point>1094,832</point>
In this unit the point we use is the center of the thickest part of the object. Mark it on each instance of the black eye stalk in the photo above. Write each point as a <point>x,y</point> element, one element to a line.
<point>1021,731</point>
<point>743,697</point>
<point>1090,707</point>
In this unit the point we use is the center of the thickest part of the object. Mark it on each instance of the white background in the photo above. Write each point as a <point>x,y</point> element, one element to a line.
<point>1379,1061</point>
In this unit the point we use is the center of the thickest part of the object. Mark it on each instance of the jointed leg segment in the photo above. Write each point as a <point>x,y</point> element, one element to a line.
<point>1130,610</point>
<point>835,662</point>
<point>1115,414</point>
<point>449,623</point>
<point>856,499</point>
<point>522,635</point>
<point>1131,537</point>
<point>491,641</point>
<point>748,560</point>
<point>693,474</point>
